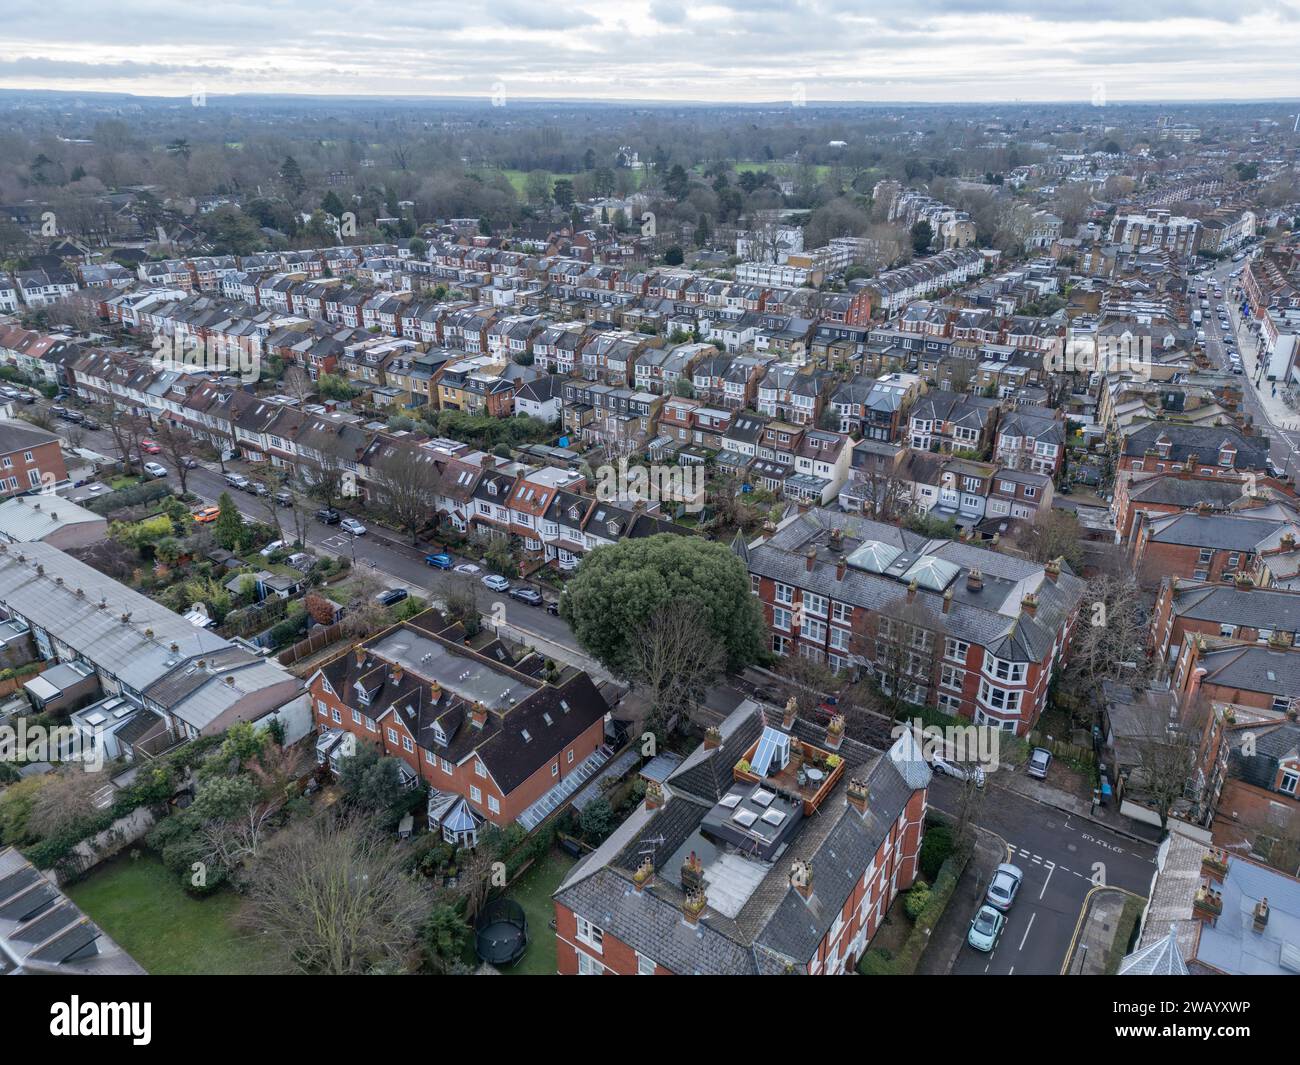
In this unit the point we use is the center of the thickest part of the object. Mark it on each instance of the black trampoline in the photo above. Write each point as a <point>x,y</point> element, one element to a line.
<point>501,935</point>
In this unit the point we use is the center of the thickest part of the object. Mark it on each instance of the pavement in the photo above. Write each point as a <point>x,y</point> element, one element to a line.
<point>1096,933</point>
<point>948,938</point>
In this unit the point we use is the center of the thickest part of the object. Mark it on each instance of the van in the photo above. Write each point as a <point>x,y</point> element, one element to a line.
<point>1200,336</point>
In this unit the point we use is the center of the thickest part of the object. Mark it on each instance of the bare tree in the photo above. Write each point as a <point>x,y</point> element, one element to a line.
<point>908,647</point>
<point>337,898</point>
<point>64,798</point>
<point>674,659</point>
<point>178,447</point>
<point>127,430</point>
<point>326,476</point>
<point>1166,759</point>
<point>1109,641</point>
<point>406,486</point>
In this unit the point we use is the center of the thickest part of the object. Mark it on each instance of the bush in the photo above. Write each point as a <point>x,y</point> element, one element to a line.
<point>917,899</point>
<point>936,847</point>
<point>877,962</point>
<point>132,496</point>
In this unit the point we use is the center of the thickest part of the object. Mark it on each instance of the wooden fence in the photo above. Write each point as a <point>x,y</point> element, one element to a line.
<point>320,636</point>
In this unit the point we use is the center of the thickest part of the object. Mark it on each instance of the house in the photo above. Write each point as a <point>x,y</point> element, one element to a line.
<point>740,863</point>
<point>55,521</point>
<point>482,724</point>
<point>1031,438</point>
<point>950,421</point>
<point>1204,546</point>
<point>1211,450</point>
<point>989,630</point>
<point>30,458</point>
<point>1238,610</point>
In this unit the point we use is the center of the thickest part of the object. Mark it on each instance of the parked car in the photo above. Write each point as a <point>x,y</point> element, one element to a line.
<point>1039,759</point>
<point>189,461</point>
<point>237,480</point>
<point>284,499</point>
<point>391,596</point>
<point>75,416</point>
<point>496,583</point>
<point>253,488</point>
<point>149,447</point>
<point>59,411</point>
<point>271,548</point>
<point>441,560</point>
<point>351,525</point>
<point>958,772</point>
<point>91,424</point>
<point>553,609</point>
<point>1006,881</point>
<point>328,516</point>
<point>986,929</point>
<point>527,595</point>
<point>154,469</point>
<point>206,514</point>
<point>471,568</point>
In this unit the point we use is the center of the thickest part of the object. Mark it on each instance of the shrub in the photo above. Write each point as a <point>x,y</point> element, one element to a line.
<point>936,846</point>
<point>918,898</point>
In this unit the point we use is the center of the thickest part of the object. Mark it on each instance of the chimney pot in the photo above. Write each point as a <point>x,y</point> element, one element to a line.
<point>811,558</point>
<point>974,581</point>
<point>712,738</point>
<point>841,567</point>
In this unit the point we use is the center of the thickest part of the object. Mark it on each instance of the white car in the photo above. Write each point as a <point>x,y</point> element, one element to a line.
<point>957,772</point>
<point>496,583</point>
<point>469,567</point>
<point>271,548</point>
<point>351,525</point>
<point>153,469</point>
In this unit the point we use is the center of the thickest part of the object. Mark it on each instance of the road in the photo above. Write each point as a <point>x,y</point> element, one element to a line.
<point>1060,855</point>
<point>395,564</point>
<point>1284,444</point>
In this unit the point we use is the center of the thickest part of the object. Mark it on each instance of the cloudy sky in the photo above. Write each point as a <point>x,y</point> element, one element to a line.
<point>706,50</point>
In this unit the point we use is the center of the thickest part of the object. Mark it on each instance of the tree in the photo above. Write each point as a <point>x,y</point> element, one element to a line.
<point>1166,757</point>
<point>1053,534</point>
<point>908,646</point>
<point>619,586</point>
<point>326,476</point>
<point>922,236</point>
<point>675,659</point>
<point>444,938</point>
<point>461,604</point>
<point>1109,641</point>
<point>336,896</point>
<point>406,483</point>
<point>229,530</point>
<point>370,780</point>
<point>291,175</point>
<point>64,798</point>
<point>673,256</point>
<point>562,193</point>
<point>677,183</point>
<point>127,431</point>
<point>178,448</point>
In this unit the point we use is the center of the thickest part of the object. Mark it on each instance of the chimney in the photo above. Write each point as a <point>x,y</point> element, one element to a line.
<point>1053,569</point>
<point>997,539</point>
<point>712,738</point>
<point>654,795</point>
<point>692,873</point>
<point>858,795</point>
<point>1207,905</point>
<point>837,538</point>
<point>478,715</point>
<point>644,872</point>
<point>811,558</point>
<point>841,567</point>
<point>1244,583</point>
<point>1029,604</point>
<point>1261,914</point>
<point>435,693</point>
<point>911,591</point>
<point>974,581</point>
<point>1288,541</point>
<point>801,878</point>
<point>791,712</point>
<point>360,652</point>
<point>835,732</point>
<point>693,905</point>
<point>395,674</point>
<point>947,600</point>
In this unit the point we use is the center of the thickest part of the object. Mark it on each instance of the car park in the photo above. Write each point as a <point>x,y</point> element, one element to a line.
<point>154,469</point>
<point>1004,886</point>
<point>496,583</point>
<point>328,516</point>
<point>527,595</point>
<point>440,560</point>
<point>1039,760</point>
<point>351,525</point>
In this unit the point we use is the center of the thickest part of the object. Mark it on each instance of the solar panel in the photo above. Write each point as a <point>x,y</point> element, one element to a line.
<point>774,746</point>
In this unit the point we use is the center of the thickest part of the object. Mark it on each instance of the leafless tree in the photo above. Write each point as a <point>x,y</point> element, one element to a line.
<point>64,798</point>
<point>675,658</point>
<point>336,896</point>
<point>178,447</point>
<point>907,650</point>
<point>127,430</point>
<point>326,476</point>
<point>406,486</point>
<point>1110,638</point>
<point>1166,757</point>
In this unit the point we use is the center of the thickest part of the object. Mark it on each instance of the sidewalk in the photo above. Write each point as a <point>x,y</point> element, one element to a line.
<point>949,935</point>
<point>1279,415</point>
<point>1101,924</point>
<point>1106,816</point>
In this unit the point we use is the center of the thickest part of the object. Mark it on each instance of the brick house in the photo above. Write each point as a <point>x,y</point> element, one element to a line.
<point>733,868</point>
<point>984,632</point>
<point>29,458</point>
<point>1205,546</point>
<point>1238,611</point>
<point>479,723</point>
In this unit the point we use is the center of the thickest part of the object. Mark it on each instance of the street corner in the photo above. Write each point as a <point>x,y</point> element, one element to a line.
<point>1108,923</point>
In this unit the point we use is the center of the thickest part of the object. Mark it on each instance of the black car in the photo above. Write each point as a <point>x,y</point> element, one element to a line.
<point>328,516</point>
<point>91,424</point>
<point>189,461</point>
<point>391,596</point>
<point>526,595</point>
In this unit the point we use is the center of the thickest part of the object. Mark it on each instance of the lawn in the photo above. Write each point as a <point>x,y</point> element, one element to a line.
<point>142,906</point>
<point>533,892</point>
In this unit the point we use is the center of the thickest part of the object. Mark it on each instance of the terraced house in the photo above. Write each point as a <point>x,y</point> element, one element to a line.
<point>750,859</point>
<point>968,630</point>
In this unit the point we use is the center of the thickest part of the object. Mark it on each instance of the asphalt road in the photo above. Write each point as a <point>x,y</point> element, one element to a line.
<point>396,564</point>
<point>1059,854</point>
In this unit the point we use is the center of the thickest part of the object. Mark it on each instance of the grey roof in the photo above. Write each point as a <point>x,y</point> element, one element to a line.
<point>1172,490</point>
<point>1231,944</point>
<point>1225,532</point>
<point>1255,608</point>
<point>1161,958</point>
<point>27,518</point>
<point>1274,744</point>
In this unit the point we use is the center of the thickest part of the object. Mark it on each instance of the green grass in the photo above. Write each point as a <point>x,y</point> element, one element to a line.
<point>533,892</point>
<point>143,907</point>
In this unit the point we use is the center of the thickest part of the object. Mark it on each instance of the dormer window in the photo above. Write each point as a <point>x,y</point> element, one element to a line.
<point>439,736</point>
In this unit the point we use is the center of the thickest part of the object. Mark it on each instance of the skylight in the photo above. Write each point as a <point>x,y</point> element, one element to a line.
<point>874,556</point>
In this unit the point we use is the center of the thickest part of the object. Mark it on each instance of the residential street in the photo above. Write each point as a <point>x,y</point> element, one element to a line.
<point>1059,854</point>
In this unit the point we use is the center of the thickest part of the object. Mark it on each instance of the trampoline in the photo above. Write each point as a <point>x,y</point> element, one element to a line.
<point>501,935</point>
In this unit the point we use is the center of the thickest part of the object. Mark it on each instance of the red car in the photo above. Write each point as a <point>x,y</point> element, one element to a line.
<point>150,448</point>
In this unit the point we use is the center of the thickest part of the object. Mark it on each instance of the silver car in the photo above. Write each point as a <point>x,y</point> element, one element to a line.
<point>1039,759</point>
<point>1006,881</point>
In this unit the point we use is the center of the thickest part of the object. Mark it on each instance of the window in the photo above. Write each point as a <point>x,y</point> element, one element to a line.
<point>951,677</point>
<point>493,805</point>
<point>555,769</point>
<point>480,770</point>
<point>356,717</point>
<point>34,478</point>
<point>338,718</point>
<point>1289,780</point>
<point>644,966</point>
<point>955,649</point>
<point>814,604</point>
<point>781,645</point>
<point>999,698</point>
<point>446,766</point>
<point>392,735</point>
<point>842,612</point>
<point>322,708</point>
<point>407,745</point>
<point>840,639</point>
<point>589,966</point>
<point>569,757</point>
<point>1009,671</point>
<point>590,935</point>
<point>780,619</point>
<point>813,630</point>
<point>1206,554</point>
<point>27,456</point>
<point>475,795</point>
<point>784,594</point>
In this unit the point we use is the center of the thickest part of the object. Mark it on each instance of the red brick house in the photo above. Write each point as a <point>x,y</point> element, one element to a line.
<point>481,723</point>
<point>1233,611</point>
<point>729,870</point>
<point>29,458</point>
<point>1205,546</point>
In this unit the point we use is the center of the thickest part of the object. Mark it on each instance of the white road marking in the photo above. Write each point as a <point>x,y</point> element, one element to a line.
<point>1051,868</point>
<point>1027,928</point>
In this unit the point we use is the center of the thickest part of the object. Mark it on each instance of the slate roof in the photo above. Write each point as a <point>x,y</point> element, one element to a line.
<point>1201,443</point>
<point>1255,608</point>
<point>1274,744</point>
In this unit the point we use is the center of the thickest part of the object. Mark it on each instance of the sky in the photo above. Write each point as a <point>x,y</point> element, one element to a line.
<point>714,50</point>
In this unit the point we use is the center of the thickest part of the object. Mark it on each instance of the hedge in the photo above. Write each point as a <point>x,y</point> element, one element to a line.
<point>876,962</point>
<point>131,496</point>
